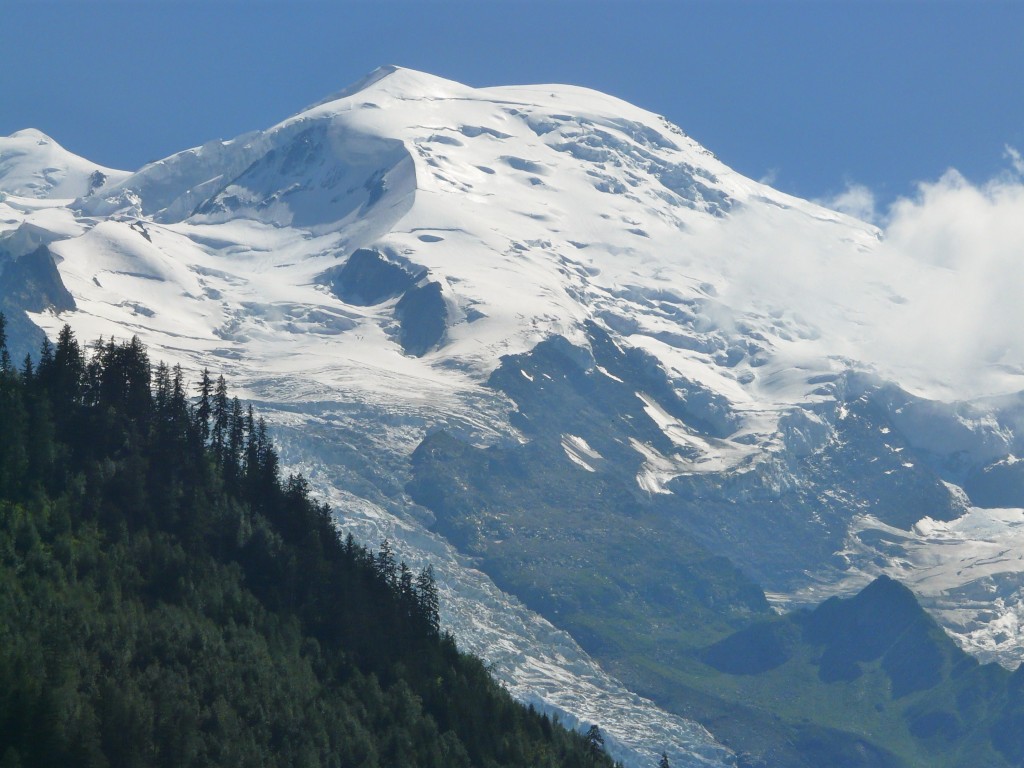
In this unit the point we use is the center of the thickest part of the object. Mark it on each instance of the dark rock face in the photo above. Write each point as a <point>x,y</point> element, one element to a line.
<point>997,485</point>
<point>30,283</point>
<point>368,278</point>
<point>561,388</point>
<point>705,411</point>
<point>422,316</point>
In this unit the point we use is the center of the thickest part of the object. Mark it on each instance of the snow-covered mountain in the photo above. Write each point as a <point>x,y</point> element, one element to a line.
<point>412,255</point>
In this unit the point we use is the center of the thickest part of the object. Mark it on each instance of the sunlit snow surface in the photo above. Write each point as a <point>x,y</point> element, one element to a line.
<point>33,165</point>
<point>536,209</point>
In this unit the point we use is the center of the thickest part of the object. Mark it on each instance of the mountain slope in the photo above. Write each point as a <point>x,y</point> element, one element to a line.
<point>872,670</point>
<point>407,256</point>
<point>169,599</point>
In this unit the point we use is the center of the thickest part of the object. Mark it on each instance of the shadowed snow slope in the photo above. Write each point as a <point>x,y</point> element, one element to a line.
<point>746,342</point>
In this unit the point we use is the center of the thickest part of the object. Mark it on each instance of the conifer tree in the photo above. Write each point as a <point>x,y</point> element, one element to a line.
<point>235,445</point>
<point>68,367</point>
<point>5,356</point>
<point>385,562</point>
<point>221,416</point>
<point>406,591</point>
<point>426,595</point>
<point>204,405</point>
<point>13,422</point>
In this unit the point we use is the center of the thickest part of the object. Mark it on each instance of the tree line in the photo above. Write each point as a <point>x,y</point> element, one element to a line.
<point>168,598</point>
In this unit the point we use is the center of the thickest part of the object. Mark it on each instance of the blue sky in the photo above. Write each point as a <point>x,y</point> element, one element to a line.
<point>811,95</point>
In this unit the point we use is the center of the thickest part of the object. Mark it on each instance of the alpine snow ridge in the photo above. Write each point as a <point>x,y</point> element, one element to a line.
<point>413,277</point>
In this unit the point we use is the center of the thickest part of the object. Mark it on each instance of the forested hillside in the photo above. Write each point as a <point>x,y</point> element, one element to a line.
<point>167,598</point>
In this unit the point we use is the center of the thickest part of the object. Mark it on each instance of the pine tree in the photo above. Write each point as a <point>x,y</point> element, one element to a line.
<point>68,367</point>
<point>406,591</point>
<point>179,400</point>
<point>5,356</point>
<point>235,445</point>
<point>161,389</point>
<point>204,405</point>
<point>221,415</point>
<point>426,595</point>
<point>385,563</point>
<point>13,422</point>
<point>91,383</point>
<point>125,379</point>
<point>45,356</point>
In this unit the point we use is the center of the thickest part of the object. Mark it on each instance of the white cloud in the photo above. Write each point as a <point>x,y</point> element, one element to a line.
<point>770,177</point>
<point>963,320</point>
<point>856,200</point>
<point>936,303</point>
<point>1016,161</point>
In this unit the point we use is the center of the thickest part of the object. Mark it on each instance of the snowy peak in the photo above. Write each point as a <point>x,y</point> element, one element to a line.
<point>396,82</point>
<point>531,210</point>
<point>34,165</point>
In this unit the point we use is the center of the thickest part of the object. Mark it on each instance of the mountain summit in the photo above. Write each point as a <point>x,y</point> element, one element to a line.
<point>34,165</point>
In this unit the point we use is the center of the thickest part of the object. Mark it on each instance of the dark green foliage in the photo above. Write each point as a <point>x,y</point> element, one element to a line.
<point>883,622</point>
<point>167,599</point>
<point>5,354</point>
<point>753,650</point>
<point>869,680</point>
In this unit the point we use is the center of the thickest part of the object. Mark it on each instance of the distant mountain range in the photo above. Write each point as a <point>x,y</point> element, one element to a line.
<point>628,402</point>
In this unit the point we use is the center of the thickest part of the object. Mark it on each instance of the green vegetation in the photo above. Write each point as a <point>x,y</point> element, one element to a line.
<point>168,599</point>
<point>870,682</point>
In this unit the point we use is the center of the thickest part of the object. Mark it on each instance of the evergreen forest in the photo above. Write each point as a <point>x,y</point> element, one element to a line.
<point>169,598</point>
